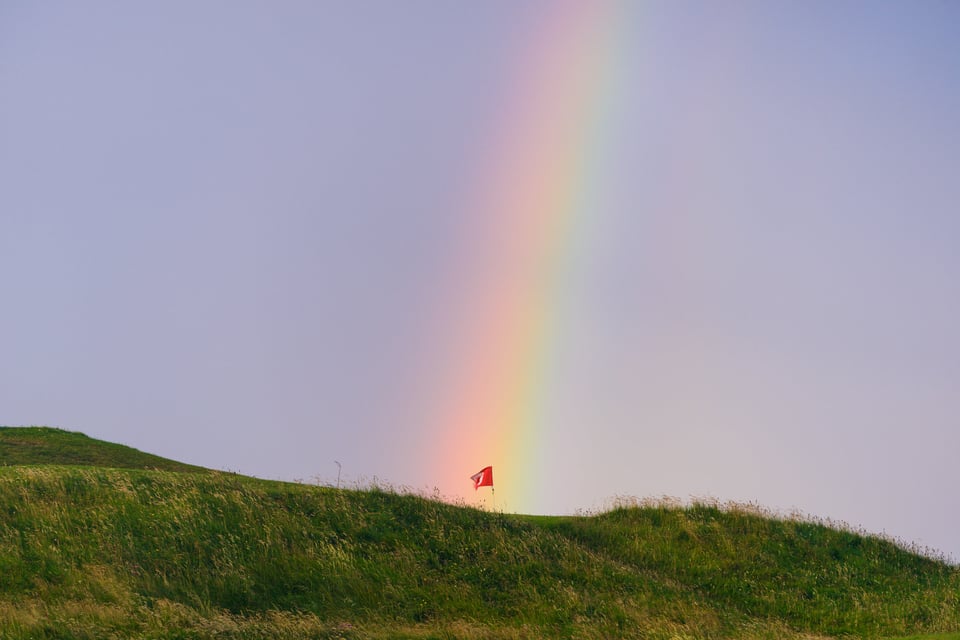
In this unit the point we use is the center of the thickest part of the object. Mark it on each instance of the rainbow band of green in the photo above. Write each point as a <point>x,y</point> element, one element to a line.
<point>533,206</point>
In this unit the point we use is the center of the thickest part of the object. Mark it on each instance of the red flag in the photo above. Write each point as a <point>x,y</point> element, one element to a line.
<point>482,478</point>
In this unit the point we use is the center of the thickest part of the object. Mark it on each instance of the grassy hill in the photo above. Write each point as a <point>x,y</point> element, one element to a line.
<point>107,551</point>
<point>43,445</point>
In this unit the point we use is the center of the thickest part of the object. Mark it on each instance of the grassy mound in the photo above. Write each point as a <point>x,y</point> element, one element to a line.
<point>44,446</point>
<point>107,552</point>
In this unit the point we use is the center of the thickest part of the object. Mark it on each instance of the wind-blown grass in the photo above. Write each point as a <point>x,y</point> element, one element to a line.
<point>91,552</point>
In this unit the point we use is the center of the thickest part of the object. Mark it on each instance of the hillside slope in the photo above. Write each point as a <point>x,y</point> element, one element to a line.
<point>98,552</point>
<point>45,445</point>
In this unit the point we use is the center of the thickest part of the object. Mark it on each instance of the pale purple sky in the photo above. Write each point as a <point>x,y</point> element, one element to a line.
<point>228,231</point>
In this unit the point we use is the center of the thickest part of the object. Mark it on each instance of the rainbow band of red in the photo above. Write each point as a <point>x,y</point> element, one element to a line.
<point>528,206</point>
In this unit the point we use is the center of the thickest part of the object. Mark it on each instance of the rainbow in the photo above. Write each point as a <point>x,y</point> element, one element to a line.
<point>527,212</point>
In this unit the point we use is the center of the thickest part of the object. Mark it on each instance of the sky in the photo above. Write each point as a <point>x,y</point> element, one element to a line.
<point>613,249</point>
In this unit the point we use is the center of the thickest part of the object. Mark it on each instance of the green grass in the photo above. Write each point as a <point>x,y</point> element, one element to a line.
<point>105,550</point>
<point>43,445</point>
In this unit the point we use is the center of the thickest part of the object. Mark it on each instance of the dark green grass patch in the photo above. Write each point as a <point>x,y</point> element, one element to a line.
<point>45,445</point>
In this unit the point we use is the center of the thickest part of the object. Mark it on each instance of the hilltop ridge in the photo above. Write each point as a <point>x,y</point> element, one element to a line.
<point>52,446</point>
